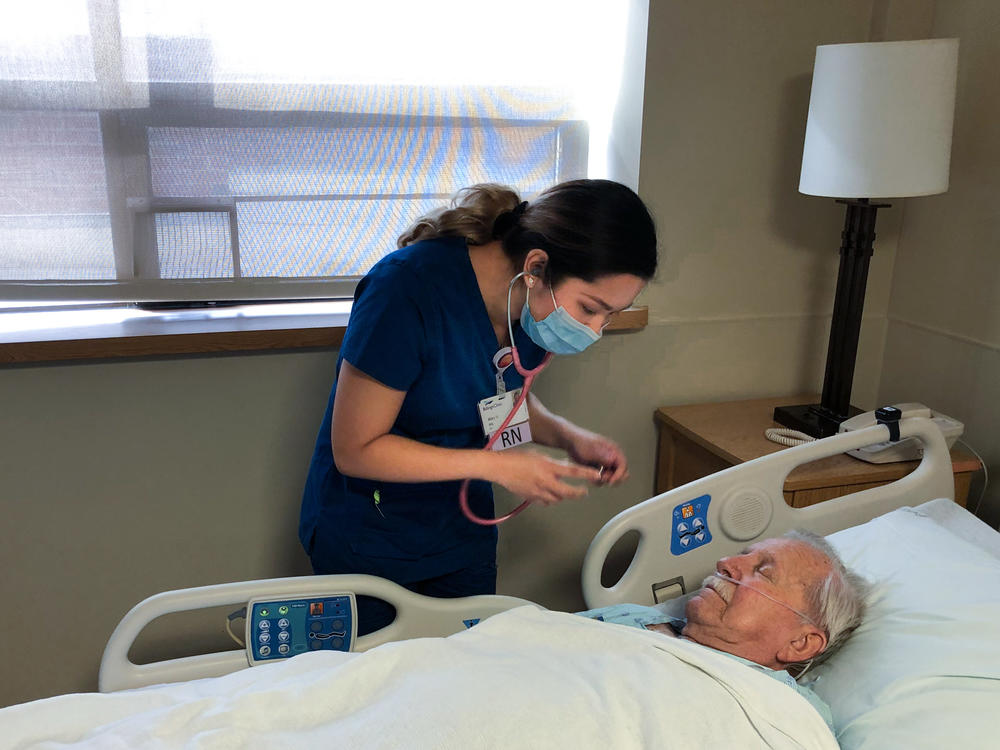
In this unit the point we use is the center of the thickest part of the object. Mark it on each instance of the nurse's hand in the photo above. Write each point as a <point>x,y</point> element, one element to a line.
<point>591,449</point>
<point>539,479</point>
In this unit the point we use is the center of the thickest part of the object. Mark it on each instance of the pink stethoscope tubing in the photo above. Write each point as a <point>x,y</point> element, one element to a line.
<point>529,378</point>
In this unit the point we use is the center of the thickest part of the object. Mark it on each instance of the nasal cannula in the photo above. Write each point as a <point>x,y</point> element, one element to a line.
<point>803,615</point>
<point>529,378</point>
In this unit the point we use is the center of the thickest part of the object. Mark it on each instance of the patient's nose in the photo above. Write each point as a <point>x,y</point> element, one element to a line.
<point>725,567</point>
<point>734,567</point>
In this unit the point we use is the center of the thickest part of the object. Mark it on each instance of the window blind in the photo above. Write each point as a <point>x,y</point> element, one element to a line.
<point>192,150</point>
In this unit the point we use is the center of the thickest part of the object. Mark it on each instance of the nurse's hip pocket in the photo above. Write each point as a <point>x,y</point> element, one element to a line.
<point>386,546</point>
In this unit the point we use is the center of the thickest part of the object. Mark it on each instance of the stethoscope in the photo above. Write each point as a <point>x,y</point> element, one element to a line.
<point>529,378</point>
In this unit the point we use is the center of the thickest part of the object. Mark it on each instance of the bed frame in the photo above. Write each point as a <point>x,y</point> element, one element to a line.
<point>416,617</point>
<point>746,503</point>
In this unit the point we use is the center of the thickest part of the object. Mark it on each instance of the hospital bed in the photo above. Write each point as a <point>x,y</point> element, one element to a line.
<point>922,671</point>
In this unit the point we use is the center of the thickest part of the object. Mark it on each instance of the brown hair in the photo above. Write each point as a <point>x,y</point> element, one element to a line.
<point>588,228</point>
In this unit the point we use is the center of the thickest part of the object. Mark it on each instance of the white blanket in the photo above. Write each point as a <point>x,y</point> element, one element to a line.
<point>523,678</point>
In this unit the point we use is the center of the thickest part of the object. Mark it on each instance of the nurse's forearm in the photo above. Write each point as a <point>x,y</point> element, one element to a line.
<point>391,458</point>
<point>548,428</point>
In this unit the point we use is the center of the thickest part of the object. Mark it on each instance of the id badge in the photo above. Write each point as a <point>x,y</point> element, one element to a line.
<point>494,410</point>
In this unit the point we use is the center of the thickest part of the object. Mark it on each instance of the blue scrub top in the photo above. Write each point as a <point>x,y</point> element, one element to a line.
<point>418,324</point>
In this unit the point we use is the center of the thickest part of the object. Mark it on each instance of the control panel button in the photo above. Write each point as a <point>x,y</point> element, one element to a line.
<point>283,627</point>
<point>689,530</point>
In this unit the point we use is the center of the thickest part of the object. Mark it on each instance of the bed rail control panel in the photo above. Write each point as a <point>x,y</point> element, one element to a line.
<point>280,628</point>
<point>689,527</point>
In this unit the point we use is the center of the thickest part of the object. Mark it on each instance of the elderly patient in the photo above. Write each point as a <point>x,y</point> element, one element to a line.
<point>782,604</point>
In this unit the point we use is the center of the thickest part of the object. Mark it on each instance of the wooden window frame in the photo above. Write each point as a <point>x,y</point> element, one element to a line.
<point>225,330</point>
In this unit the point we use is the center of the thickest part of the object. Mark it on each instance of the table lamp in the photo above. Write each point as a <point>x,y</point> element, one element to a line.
<point>880,122</point>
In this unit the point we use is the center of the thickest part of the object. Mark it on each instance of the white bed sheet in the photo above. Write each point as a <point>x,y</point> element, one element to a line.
<point>962,524</point>
<point>523,678</point>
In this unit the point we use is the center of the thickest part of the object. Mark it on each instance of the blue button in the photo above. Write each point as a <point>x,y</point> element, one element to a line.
<point>283,648</point>
<point>283,622</point>
<point>264,624</point>
<point>265,650</point>
<point>264,637</point>
<point>283,636</point>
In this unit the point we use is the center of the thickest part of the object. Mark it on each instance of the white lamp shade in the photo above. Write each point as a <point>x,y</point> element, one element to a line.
<point>880,119</point>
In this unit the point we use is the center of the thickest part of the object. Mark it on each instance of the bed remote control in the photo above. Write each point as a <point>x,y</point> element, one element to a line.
<point>278,628</point>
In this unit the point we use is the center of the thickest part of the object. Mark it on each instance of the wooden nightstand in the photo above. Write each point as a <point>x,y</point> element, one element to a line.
<point>700,439</point>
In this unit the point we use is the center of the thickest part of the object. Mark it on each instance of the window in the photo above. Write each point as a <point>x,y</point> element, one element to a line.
<point>187,150</point>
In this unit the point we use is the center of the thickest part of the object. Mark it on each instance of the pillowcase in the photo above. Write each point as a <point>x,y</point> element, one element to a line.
<point>923,670</point>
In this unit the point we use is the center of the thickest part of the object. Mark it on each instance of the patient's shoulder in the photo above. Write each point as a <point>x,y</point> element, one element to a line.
<point>635,616</point>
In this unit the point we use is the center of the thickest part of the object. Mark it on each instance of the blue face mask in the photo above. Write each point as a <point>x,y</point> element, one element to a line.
<point>558,332</point>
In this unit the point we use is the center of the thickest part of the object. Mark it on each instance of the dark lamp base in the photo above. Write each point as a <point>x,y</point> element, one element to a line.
<point>812,419</point>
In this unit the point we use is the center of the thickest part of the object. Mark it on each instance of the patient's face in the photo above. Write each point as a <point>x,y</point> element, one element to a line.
<point>738,620</point>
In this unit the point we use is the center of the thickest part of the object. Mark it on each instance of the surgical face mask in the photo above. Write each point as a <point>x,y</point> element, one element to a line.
<point>723,577</point>
<point>559,332</point>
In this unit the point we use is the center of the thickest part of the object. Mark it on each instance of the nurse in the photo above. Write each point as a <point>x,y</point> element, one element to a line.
<point>428,340</point>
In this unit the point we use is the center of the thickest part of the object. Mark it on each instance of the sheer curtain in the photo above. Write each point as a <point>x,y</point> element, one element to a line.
<point>215,149</point>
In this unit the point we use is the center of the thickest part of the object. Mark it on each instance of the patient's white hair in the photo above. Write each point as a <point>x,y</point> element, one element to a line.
<point>836,603</point>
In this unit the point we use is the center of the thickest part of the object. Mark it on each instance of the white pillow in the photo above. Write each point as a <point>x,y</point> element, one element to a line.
<point>923,670</point>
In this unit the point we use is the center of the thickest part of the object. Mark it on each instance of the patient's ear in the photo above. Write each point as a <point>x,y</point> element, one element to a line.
<point>806,645</point>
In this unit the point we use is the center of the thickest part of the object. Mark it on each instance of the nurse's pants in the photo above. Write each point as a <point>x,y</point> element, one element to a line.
<point>373,614</point>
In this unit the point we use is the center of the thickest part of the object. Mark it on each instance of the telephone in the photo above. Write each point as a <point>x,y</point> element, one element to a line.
<point>909,449</point>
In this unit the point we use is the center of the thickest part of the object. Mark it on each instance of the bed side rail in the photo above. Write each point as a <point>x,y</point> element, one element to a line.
<point>416,616</point>
<point>746,503</point>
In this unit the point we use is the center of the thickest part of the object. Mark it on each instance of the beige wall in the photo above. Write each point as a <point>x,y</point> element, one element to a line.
<point>943,339</point>
<point>744,252</point>
<point>123,479</point>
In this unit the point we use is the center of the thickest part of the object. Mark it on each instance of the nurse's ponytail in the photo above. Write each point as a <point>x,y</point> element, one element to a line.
<point>471,215</point>
<point>588,228</point>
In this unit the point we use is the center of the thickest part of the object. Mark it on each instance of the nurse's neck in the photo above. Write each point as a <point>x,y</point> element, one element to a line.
<point>494,271</point>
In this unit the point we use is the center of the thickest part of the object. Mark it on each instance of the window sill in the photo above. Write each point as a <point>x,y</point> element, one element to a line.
<point>113,333</point>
